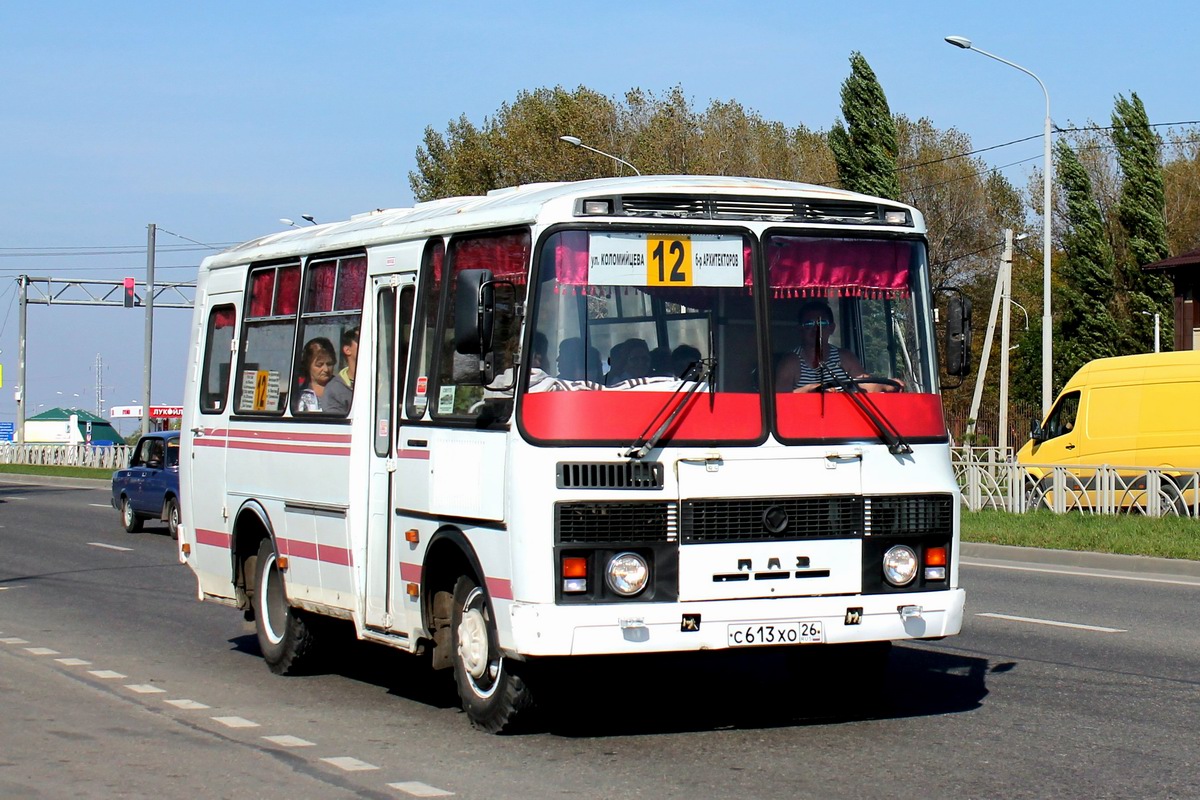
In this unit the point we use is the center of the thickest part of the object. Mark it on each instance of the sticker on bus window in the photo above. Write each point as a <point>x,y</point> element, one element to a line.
<point>260,390</point>
<point>660,259</point>
<point>446,400</point>
<point>422,385</point>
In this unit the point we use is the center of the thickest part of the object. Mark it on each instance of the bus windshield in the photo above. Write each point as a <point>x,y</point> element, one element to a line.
<point>623,319</point>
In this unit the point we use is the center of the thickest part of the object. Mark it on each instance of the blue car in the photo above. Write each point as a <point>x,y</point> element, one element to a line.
<point>149,487</point>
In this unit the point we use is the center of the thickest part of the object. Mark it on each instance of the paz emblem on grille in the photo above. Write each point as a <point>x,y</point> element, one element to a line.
<point>775,519</point>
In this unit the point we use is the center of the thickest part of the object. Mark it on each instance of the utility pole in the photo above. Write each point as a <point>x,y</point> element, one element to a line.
<point>23,282</point>
<point>151,231</point>
<point>1006,276</point>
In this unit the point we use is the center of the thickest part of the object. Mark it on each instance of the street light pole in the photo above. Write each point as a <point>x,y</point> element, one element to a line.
<point>1047,183</point>
<point>575,140</point>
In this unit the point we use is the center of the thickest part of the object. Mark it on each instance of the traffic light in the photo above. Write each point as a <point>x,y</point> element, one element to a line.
<point>130,297</point>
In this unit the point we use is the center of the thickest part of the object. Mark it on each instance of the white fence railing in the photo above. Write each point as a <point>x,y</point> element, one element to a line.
<point>989,479</point>
<point>65,455</point>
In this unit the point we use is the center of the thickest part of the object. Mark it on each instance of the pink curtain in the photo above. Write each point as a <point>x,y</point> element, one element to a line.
<point>352,281</point>
<point>506,256</point>
<point>838,267</point>
<point>287,295</point>
<point>321,276</point>
<point>262,290</point>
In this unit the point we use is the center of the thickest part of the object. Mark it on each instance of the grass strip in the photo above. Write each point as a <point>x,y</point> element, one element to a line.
<point>56,471</point>
<point>1124,534</point>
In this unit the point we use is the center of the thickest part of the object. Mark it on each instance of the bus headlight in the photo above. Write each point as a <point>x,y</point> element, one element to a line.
<point>627,574</point>
<point>900,565</point>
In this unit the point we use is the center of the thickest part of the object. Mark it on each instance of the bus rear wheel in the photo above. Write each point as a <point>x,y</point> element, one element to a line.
<point>494,691</point>
<point>285,636</point>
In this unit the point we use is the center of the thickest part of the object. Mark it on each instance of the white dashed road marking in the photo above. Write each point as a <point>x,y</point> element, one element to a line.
<point>73,662</point>
<point>144,688</point>
<point>1082,573</point>
<point>349,764</point>
<point>1055,623</point>
<point>289,741</point>
<point>418,789</point>
<point>106,674</point>
<point>14,640</point>
<point>111,547</point>
<point>187,705</point>
<point>236,722</point>
<point>100,505</point>
<point>41,651</point>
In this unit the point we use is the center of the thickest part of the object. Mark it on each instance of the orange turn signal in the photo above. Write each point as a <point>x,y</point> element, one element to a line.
<point>281,562</point>
<point>186,548</point>
<point>413,589</point>
<point>412,536</point>
<point>574,567</point>
<point>935,556</point>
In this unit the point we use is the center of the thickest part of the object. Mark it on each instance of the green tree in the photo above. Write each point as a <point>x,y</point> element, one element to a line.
<point>865,149</point>
<point>1141,210</point>
<point>1085,323</point>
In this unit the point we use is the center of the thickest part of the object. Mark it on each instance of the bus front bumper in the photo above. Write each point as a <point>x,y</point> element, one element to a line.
<point>550,630</point>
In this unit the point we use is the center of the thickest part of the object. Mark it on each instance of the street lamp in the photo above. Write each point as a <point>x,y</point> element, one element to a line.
<point>575,140</point>
<point>1047,181</point>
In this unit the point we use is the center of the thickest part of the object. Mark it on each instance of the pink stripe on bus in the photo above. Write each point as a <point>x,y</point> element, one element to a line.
<point>213,538</point>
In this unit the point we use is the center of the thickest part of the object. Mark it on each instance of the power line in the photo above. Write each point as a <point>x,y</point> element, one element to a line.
<point>122,250</point>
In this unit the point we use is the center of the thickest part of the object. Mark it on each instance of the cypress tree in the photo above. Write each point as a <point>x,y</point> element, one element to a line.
<point>1141,212</point>
<point>1086,325</point>
<point>865,149</point>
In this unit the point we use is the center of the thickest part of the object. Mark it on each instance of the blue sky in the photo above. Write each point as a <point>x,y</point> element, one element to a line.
<point>213,120</point>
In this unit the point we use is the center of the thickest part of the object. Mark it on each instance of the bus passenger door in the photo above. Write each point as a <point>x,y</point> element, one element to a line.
<point>393,326</point>
<point>204,509</point>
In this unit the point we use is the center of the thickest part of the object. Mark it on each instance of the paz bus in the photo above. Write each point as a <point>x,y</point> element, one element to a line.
<point>567,433</point>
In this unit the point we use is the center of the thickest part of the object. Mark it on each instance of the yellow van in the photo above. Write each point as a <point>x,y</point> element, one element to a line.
<point>1131,411</point>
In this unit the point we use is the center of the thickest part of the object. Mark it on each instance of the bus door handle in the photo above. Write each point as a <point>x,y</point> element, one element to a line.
<point>1070,447</point>
<point>198,431</point>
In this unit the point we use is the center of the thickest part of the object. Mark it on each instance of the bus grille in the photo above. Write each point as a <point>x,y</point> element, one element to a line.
<point>762,519</point>
<point>610,475</point>
<point>634,523</point>
<point>904,515</point>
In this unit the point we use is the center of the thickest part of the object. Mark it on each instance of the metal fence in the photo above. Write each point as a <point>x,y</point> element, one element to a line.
<point>65,455</point>
<point>989,478</point>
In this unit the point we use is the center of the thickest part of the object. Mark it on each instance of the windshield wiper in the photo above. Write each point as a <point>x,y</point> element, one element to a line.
<point>697,372</point>
<point>890,435</point>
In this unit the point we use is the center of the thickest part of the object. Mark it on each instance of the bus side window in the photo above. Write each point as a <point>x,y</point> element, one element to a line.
<point>329,320</point>
<point>268,330</point>
<point>218,359</point>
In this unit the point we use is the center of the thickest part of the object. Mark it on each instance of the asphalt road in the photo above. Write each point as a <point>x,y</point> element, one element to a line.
<point>1071,680</point>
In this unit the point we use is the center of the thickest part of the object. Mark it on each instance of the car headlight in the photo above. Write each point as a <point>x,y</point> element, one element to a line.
<point>900,565</point>
<point>627,574</point>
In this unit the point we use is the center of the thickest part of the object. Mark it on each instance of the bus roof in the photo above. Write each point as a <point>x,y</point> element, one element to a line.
<point>649,197</point>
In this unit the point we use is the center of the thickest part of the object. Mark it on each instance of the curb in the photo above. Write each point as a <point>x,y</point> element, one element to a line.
<point>21,478</point>
<point>1078,558</point>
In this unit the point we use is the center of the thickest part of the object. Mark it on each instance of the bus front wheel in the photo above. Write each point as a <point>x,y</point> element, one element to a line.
<point>285,637</point>
<point>494,690</point>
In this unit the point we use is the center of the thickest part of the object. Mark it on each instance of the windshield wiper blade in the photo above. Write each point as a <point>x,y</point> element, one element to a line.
<point>697,372</point>
<point>890,435</point>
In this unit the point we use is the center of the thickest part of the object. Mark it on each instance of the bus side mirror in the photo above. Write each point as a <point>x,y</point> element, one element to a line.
<point>474,311</point>
<point>958,336</point>
<point>1038,434</point>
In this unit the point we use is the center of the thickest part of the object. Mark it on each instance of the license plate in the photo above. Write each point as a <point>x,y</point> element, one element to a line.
<point>748,634</point>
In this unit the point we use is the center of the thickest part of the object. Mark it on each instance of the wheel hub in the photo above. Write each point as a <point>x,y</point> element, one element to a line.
<point>473,643</point>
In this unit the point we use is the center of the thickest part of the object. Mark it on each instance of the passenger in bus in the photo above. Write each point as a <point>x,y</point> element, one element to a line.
<point>317,363</point>
<point>685,362</point>
<point>629,359</point>
<point>816,362</point>
<point>660,361</point>
<point>577,363</point>
<point>340,390</point>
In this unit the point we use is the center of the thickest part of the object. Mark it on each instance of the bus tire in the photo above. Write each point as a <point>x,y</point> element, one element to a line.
<point>172,516</point>
<point>493,690</point>
<point>285,637</point>
<point>129,517</point>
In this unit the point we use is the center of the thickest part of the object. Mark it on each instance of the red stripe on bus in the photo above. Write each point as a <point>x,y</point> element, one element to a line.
<point>270,447</point>
<point>313,551</point>
<point>832,415</point>
<point>213,538</point>
<point>605,416</point>
<point>419,455</point>
<point>410,573</point>
<point>281,436</point>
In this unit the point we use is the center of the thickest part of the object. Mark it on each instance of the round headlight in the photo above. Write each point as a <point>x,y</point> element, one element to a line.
<point>900,565</point>
<point>628,574</point>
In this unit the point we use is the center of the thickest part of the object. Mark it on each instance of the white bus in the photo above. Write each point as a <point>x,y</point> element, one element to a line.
<point>621,416</point>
